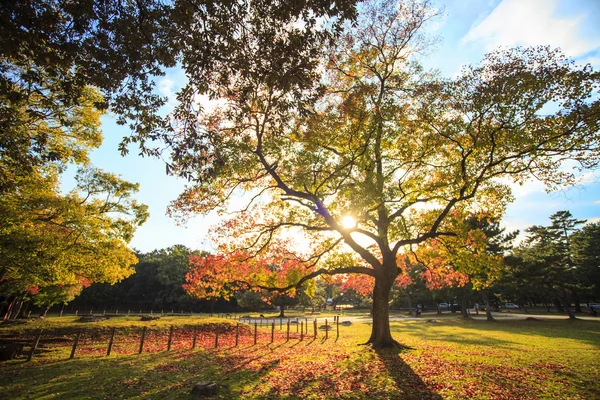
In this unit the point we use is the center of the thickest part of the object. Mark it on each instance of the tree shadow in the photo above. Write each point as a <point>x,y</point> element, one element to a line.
<point>169,375</point>
<point>490,333</point>
<point>410,385</point>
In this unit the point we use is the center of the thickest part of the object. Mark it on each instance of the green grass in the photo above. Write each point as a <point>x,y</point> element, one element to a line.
<point>448,359</point>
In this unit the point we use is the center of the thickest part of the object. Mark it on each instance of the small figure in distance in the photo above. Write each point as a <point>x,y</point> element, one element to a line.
<point>262,316</point>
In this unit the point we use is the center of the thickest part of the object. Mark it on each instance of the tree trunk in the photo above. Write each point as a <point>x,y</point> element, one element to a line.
<point>17,310</point>
<point>558,306</point>
<point>381,335</point>
<point>576,300</point>
<point>463,304</point>
<point>281,310</point>
<point>568,306</point>
<point>25,309</point>
<point>409,299</point>
<point>488,309</point>
<point>8,310</point>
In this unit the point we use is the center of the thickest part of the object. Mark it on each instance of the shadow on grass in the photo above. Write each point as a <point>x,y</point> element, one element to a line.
<point>164,375</point>
<point>502,333</point>
<point>408,382</point>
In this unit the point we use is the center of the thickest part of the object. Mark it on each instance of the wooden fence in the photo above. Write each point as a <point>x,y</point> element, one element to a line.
<point>98,342</point>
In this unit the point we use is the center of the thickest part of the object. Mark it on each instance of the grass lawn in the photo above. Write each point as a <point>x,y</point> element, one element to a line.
<point>447,359</point>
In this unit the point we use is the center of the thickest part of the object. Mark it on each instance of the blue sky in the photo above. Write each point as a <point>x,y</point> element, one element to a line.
<point>468,30</point>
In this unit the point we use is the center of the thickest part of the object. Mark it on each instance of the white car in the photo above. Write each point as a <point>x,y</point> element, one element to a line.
<point>511,306</point>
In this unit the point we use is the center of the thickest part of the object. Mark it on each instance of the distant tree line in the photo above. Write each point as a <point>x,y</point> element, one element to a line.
<point>556,266</point>
<point>156,285</point>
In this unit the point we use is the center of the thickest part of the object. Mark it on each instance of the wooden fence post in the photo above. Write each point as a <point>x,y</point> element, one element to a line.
<point>142,340</point>
<point>170,338</point>
<point>302,331</point>
<point>194,337</point>
<point>237,334</point>
<point>326,330</point>
<point>34,345</point>
<point>337,328</point>
<point>288,330</point>
<point>216,338</point>
<point>110,342</point>
<point>75,343</point>
<point>315,328</point>
<point>254,332</point>
<point>272,332</point>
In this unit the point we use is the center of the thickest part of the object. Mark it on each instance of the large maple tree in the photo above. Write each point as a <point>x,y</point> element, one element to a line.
<point>365,132</point>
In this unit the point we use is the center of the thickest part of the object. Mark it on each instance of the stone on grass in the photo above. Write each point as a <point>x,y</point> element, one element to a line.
<point>346,323</point>
<point>92,318</point>
<point>325,327</point>
<point>149,318</point>
<point>204,388</point>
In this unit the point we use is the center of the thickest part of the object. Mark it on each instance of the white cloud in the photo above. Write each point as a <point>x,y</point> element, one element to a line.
<point>166,87</point>
<point>527,188</point>
<point>530,23</point>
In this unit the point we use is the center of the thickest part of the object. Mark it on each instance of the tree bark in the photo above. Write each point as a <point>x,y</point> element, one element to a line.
<point>281,310</point>
<point>17,310</point>
<point>488,309</point>
<point>8,310</point>
<point>25,309</point>
<point>576,300</point>
<point>381,335</point>
<point>567,306</point>
<point>558,306</point>
<point>463,304</point>
<point>409,299</point>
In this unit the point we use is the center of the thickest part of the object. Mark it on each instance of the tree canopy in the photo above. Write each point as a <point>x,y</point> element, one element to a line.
<point>53,244</point>
<point>405,153</point>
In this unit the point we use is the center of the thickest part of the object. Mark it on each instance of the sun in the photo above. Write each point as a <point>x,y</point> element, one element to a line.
<point>348,222</point>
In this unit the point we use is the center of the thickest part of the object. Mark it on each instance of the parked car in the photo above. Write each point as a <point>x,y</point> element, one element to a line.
<point>511,306</point>
<point>594,309</point>
<point>444,306</point>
